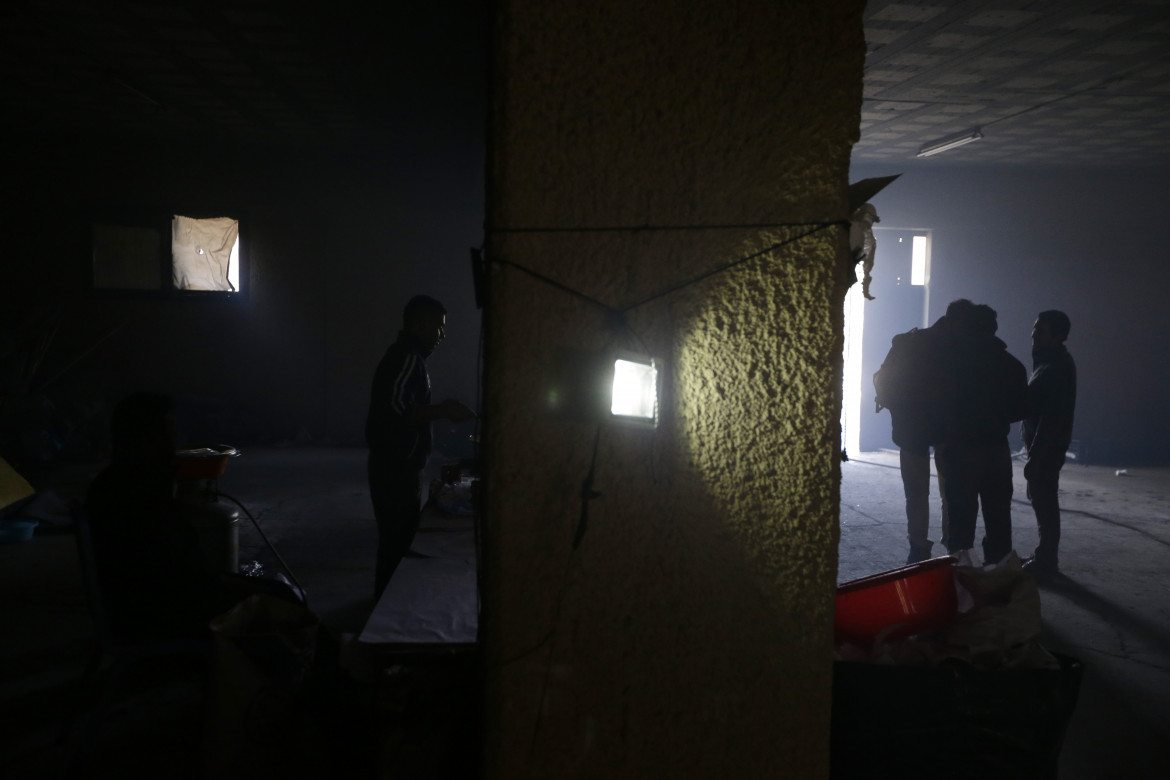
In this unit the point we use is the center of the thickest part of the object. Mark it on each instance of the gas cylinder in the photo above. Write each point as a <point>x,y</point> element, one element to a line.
<point>216,522</point>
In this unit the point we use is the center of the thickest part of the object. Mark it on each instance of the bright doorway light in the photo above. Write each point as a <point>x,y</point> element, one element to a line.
<point>851,376</point>
<point>918,250</point>
<point>635,390</point>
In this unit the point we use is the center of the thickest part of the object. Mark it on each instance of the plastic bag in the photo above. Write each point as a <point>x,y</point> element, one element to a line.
<point>263,651</point>
<point>1003,622</point>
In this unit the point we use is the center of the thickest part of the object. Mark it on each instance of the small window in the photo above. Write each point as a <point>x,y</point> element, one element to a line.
<point>205,254</point>
<point>202,255</point>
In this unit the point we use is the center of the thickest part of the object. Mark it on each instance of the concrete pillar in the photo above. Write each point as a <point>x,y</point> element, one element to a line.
<point>689,634</point>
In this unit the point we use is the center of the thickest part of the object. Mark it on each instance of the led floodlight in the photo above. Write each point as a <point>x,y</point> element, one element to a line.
<point>635,390</point>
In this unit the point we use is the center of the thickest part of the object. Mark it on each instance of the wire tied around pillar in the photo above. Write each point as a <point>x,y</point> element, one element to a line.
<point>617,321</point>
<point>814,227</point>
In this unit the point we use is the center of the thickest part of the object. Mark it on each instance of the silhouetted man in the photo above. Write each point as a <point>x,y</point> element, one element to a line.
<point>147,552</point>
<point>1052,397</point>
<point>155,579</point>
<point>975,462</point>
<point>914,383</point>
<point>398,431</point>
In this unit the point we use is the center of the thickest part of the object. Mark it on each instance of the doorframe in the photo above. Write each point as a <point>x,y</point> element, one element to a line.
<point>854,339</point>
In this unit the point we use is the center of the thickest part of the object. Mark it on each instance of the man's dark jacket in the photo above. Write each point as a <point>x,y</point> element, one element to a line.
<point>914,383</point>
<point>1052,397</point>
<point>400,383</point>
<point>991,391</point>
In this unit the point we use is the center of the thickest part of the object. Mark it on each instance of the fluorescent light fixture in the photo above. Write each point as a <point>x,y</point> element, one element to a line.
<point>953,142</point>
<point>635,390</point>
<point>918,261</point>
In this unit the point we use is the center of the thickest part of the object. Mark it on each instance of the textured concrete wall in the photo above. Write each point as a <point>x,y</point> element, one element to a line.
<point>690,632</point>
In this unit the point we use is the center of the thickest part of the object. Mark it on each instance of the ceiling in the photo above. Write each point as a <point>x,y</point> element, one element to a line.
<point>1058,82</point>
<point>268,71</point>
<point>1049,82</point>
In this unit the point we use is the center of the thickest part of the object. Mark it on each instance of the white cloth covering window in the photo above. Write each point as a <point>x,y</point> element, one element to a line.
<point>201,252</point>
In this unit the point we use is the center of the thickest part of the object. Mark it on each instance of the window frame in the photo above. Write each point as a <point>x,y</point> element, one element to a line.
<point>161,222</point>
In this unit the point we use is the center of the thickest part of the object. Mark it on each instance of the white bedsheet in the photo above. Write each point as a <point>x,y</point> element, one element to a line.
<point>429,600</point>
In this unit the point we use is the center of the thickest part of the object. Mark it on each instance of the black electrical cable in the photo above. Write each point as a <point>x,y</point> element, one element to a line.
<point>285,566</point>
<point>814,228</point>
<point>648,228</point>
<point>729,266</point>
<point>587,495</point>
<point>554,283</point>
<point>587,492</point>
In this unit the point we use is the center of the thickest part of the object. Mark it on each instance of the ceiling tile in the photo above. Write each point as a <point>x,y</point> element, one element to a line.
<point>1027,73</point>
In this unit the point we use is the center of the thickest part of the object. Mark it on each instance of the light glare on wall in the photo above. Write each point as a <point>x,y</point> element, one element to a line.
<point>918,261</point>
<point>635,390</point>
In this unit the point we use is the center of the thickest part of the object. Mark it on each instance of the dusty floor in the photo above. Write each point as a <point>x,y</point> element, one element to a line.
<point>1111,610</point>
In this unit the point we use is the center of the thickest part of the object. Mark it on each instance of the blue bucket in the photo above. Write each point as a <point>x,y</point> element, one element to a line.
<point>17,531</point>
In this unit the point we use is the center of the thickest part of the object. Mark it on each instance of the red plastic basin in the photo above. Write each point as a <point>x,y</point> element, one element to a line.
<point>914,598</point>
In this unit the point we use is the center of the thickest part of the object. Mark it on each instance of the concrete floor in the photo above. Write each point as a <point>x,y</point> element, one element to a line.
<point>1110,611</point>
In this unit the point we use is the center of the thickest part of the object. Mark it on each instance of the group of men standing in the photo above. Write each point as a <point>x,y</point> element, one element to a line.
<point>956,388</point>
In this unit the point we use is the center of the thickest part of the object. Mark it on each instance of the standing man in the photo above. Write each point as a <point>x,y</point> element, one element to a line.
<point>913,383</point>
<point>1052,397</point>
<point>975,462</point>
<point>398,431</point>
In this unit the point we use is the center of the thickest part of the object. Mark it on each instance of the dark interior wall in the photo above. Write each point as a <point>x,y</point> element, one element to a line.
<point>337,241</point>
<point>1084,241</point>
<point>411,235</point>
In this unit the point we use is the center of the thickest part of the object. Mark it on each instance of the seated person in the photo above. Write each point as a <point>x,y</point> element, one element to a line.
<point>151,568</point>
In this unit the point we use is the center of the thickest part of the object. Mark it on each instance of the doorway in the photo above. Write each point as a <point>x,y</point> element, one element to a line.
<point>900,287</point>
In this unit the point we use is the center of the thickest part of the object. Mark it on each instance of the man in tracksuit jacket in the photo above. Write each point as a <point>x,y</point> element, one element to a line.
<point>398,431</point>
